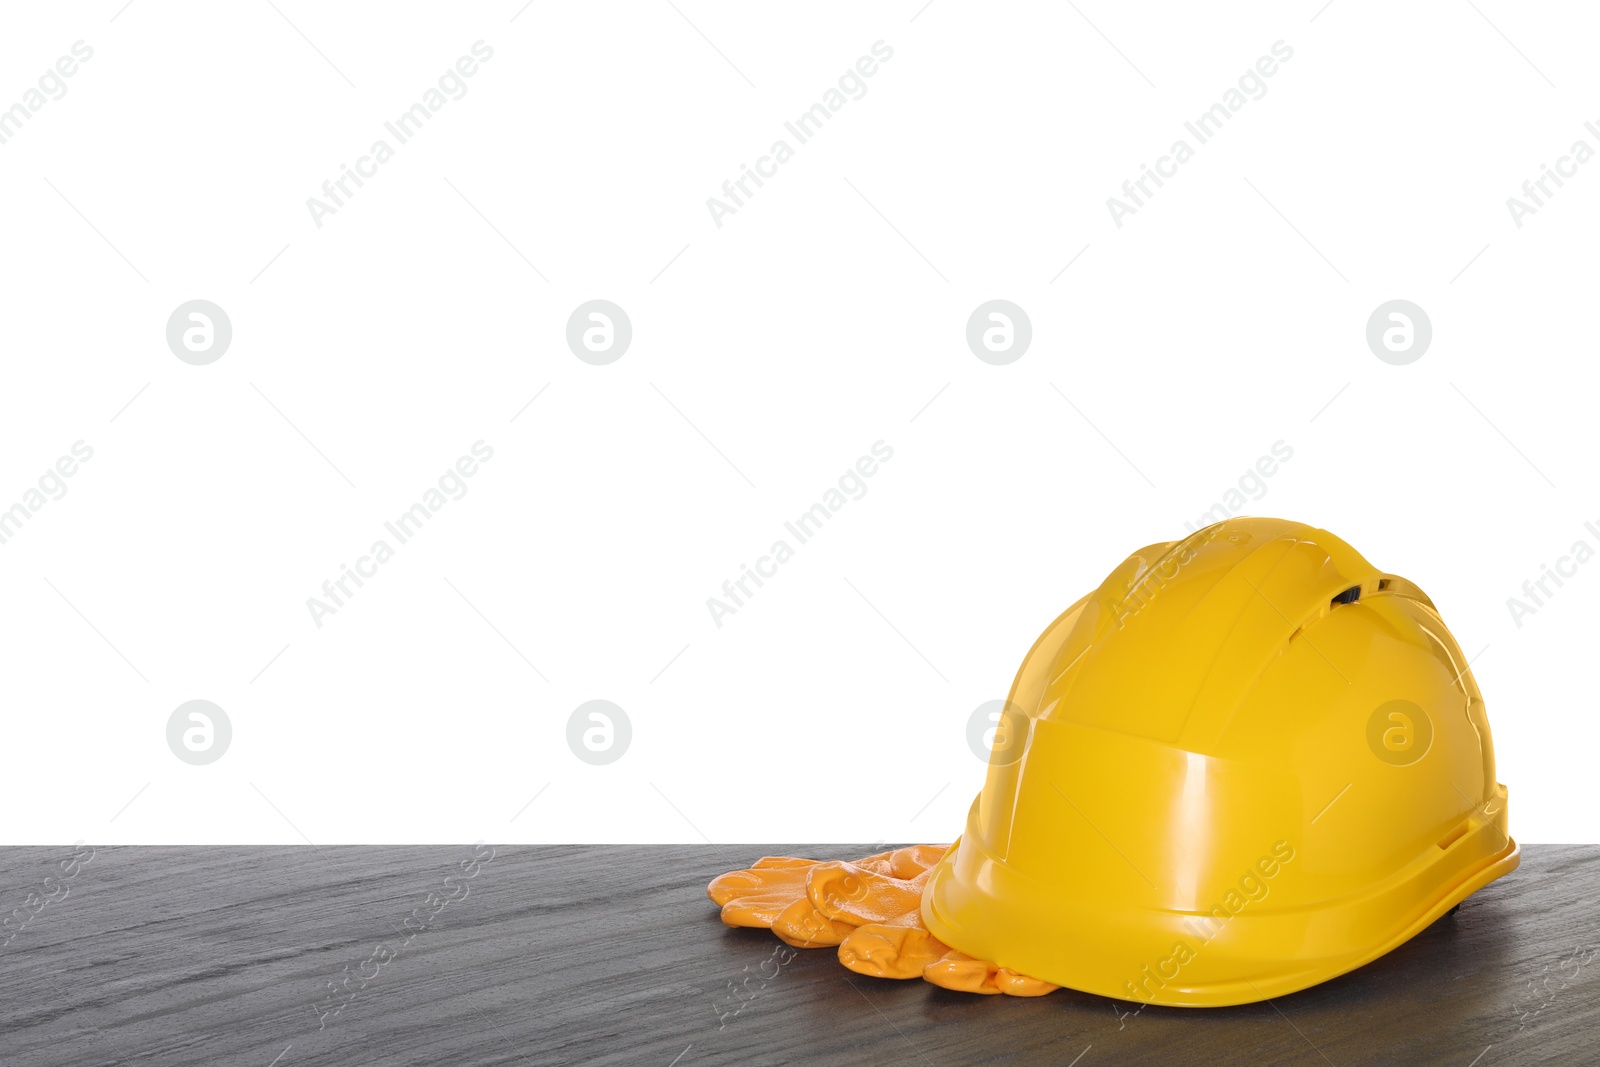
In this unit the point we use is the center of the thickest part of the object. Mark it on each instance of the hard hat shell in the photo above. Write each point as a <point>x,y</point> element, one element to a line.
<point>1247,763</point>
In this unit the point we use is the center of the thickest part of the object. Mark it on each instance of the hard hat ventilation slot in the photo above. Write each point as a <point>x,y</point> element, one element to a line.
<point>1383,583</point>
<point>1349,596</point>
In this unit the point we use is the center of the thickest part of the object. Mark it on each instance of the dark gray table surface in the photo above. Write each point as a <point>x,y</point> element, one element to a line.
<point>612,955</point>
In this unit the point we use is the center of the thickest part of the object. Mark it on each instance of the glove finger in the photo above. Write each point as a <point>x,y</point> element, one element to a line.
<point>777,884</point>
<point>1020,985</point>
<point>877,863</point>
<point>890,951</point>
<point>803,926</point>
<point>771,862</point>
<point>910,862</point>
<point>855,895</point>
<point>757,895</point>
<point>965,974</point>
<point>757,901</point>
<point>961,973</point>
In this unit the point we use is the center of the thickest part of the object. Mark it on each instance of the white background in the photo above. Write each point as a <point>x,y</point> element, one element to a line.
<point>768,354</point>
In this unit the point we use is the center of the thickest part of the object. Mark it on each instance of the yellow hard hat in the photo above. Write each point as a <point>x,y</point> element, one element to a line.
<point>1247,763</point>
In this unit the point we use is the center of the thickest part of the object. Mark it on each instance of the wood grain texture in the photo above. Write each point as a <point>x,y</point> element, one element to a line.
<point>612,955</point>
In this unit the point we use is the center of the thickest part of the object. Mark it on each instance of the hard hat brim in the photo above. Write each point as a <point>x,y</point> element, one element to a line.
<point>979,906</point>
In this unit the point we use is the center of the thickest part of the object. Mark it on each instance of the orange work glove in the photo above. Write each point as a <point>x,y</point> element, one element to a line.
<point>869,908</point>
